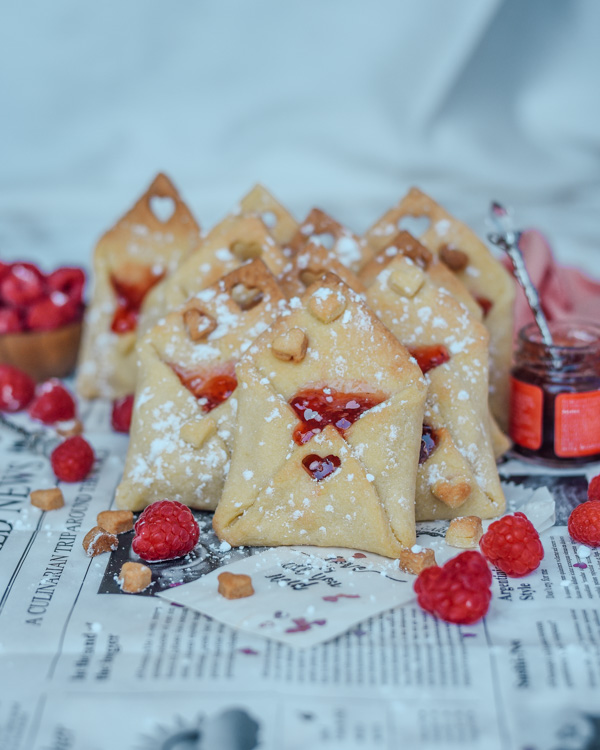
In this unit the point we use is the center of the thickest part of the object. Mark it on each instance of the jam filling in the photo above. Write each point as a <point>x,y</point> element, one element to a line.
<point>211,391</point>
<point>429,357</point>
<point>485,304</point>
<point>130,295</point>
<point>429,442</point>
<point>316,408</point>
<point>319,467</point>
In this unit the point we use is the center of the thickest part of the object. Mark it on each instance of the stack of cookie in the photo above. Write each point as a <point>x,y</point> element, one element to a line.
<point>309,385</point>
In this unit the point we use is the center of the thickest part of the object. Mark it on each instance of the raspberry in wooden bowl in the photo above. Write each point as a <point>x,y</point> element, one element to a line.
<point>40,319</point>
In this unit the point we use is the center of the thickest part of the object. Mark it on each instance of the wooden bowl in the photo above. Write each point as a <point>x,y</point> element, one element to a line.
<point>42,354</point>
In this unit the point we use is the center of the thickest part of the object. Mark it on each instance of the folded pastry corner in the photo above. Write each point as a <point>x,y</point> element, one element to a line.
<point>328,431</point>
<point>457,470</point>
<point>233,242</point>
<point>145,245</point>
<point>469,258</point>
<point>321,229</point>
<point>279,221</point>
<point>184,409</point>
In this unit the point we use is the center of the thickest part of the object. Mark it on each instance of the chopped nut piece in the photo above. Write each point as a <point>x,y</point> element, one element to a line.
<point>406,280</point>
<point>454,258</point>
<point>98,540</point>
<point>464,532</point>
<point>198,432</point>
<point>198,324</point>
<point>452,492</point>
<point>115,521</point>
<point>47,499</point>
<point>326,304</point>
<point>70,428</point>
<point>415,562</point>
<point>235,586</point>
<point>134,577</point>
<point>290,345</point>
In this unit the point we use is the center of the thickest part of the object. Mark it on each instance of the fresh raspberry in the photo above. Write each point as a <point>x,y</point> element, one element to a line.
<point>22,285</point>
<point>121,414</point>
<point>16,388</point>
<point>69,281</point>
<point>459,591</point>
<point>10,320</point>
<point>73,459</point>
<point>513,545</point>
<point>51,312</point>
<point>594,488</point>
<point>584,523</point>
<point>52,403</point>
<point>165,530</point>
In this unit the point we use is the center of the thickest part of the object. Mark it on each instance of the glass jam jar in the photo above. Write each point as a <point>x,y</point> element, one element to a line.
<point>555,394</point>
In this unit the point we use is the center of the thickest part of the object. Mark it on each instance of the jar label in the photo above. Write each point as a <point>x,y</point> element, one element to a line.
<point>526,412</point>
<point>577,424</point>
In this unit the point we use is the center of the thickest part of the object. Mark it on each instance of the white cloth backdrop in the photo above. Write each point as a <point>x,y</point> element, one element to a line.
<point>337,103</point>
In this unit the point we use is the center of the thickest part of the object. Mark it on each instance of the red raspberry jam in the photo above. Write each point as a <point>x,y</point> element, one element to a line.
<point>485,304</point>
<point>555,394</point>
<point>316,408</point>
<point>429,357</point>
<point>318,467</point>
<point>130,295</point>
<point>210,389</point>
<point>429,442</point>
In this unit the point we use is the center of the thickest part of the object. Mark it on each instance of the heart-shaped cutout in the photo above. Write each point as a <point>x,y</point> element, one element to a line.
<point>415,225</point>
<point>319,467</point>
<point>162,207</point>
<point>246,297</point>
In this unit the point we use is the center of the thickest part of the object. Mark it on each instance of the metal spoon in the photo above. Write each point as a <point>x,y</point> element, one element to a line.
<point>507,239</point>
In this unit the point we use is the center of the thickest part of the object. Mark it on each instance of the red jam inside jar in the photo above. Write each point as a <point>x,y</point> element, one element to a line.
<point>555,394</point>
<point>211,390</point>
<point>316,408</point>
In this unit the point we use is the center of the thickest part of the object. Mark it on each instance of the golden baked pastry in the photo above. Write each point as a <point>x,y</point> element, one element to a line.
<point>483,275</point>
<point>310,264</point>
<point>327,439</point>
<point>140,250</point>
<point>279,221</point>
<point>457,469</point>
<point>183,417</point>
<point>320,228</point>
<point>233,242</point>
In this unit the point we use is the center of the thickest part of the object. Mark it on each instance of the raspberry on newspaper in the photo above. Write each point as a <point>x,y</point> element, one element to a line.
<point>513,545</point>
<point>584,523</point>
<point>459,591</point>
<point>164,531</point>
<point>52,403</point>
<point>73,459</point>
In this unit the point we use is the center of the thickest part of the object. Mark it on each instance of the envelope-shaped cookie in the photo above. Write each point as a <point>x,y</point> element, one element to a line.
<point>184,410</point>
<point>320,228</point>
<point>470,259</point>
<point>143,247</point>
<point>440,275</point>
<point>457,469</point>
<point>327,441</point>
<point>309,264</point>
<point>278,220</point>
<point>235,241</point>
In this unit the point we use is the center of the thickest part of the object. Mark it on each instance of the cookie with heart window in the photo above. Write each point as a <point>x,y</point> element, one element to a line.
<point>321,229</point>
<point>185,405</point>
<point>146,245</point>
<point>488,282</point>
<point>261,203</point>
<point>457,473</point>
<point>328,432</point>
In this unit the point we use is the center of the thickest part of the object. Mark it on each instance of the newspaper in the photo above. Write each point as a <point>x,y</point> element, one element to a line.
<point>85,666</point>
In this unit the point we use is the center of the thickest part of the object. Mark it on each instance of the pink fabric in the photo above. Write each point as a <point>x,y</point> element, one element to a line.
<point>566,293</point>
